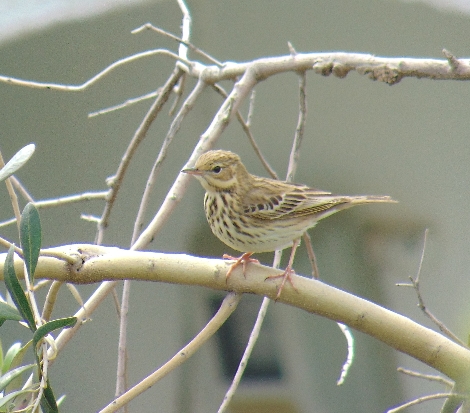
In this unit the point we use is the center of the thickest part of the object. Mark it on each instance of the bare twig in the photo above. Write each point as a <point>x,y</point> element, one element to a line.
<point>178,91</point>
<point>228,306</point>
<point>94,79</point>
<point>149,26</point>
<point>415,285</point>
<point>430,377</point>
<point>254,335</point>
<point>50,203</point>
<point>185,29</point>
<point>139,135</point>
<point>121,382</point>
<point>247,130</point>
<point>21,189</point>
<point>125,104</point>
<point>174,128</point>
<point>423,399</point>
<point>453,61</point>
<point>350,353</point>
<point>299,132</point>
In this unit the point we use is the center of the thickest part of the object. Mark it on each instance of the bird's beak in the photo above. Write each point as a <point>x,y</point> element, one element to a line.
<point>192,171</point>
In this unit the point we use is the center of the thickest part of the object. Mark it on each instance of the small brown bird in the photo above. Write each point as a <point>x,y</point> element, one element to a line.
<point>254,214</point>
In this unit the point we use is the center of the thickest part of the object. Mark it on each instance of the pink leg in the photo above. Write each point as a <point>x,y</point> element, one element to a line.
<point>243,261</point>
<point>287,274</point>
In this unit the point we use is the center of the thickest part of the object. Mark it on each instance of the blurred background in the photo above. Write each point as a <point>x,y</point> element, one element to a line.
<point>409,141</point>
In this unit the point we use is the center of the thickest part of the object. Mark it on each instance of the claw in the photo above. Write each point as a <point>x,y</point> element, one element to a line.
<point>286,276</point>
<point>244,260</point>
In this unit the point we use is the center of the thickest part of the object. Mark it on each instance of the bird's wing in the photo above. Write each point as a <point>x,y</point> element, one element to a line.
<point>269,199</point>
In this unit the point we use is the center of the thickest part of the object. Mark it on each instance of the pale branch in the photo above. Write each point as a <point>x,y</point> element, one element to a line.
<point>246,126</point>
<point>97,264</point>
<point>385,69</point>
<point>254,335</point>
<point>430,377</point>
<point>172,131</point>
<point>220,121</point>
<point>423,399</point>
<point>178,90</point>
<point>138,137</point>
<point>125,104</point>
<point>150,26</point>
<point>75,88</point>
<point>228,306</point>
<point>65,200</point>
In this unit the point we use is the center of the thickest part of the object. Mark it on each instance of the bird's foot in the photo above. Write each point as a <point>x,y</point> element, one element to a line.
<point>244,260</point>
<point>286,276</point>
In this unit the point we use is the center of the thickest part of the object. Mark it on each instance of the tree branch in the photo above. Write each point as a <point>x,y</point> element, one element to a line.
<point>99,264</point>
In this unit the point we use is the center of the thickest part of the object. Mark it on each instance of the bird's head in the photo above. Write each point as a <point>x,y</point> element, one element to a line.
<point>218,171</point>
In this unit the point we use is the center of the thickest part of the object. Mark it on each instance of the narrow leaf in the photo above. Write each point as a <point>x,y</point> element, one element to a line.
<point>48,402</point>
<point>45,329</point>
<point>13,374</point>
<point>18,160</point>
<point>7,312</point>
<point>30,234</point>
<point>15,361</point>
<point>15,400</point>
<point>9,356</point>
<point>14,288</point>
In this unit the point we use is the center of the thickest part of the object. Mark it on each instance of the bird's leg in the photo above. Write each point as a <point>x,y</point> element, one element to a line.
<point>243,261</point>
<point>287,274</point>
<point>311,255</point>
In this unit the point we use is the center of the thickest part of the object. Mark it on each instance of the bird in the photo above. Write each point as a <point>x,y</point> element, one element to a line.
<point>253,214</point>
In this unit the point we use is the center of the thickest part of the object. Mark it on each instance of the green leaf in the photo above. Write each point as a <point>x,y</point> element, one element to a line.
<point>9,356</point>
<point>12,375</point>
<point>15,400</point>
<point>15,358</point>
<point>7,312</point>
<point>18,160</point>
<point>14,288</point>
<point>45,329</point>
<point>48,402</point>
<point>30,234</point>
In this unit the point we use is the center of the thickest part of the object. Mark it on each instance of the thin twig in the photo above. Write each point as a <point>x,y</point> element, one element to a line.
<point>425,399</point>
<point>174,128</point>
<point>21,189</point>
<point>94,79</point>
<point>246,128</point>
<point>138,137</point>
<point>430,377</point>
<point>149,26</point>
<point>178,91</point>
<point>185,28</point>
<point>215,129</point>
<point>299,132</point>
<point>121,380</point>
<point>55,202</point>
<point>229,305</point>
<point>415,285</point>
<point>125,104</point>
<point>121,373</point>
<point>254,335</point>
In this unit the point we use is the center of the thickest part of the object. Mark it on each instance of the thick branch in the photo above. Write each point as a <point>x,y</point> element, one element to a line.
<point>97,264</point>
<point>385,69</point>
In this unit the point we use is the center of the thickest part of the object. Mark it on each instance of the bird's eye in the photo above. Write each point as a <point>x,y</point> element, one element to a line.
<point>216,169</point>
